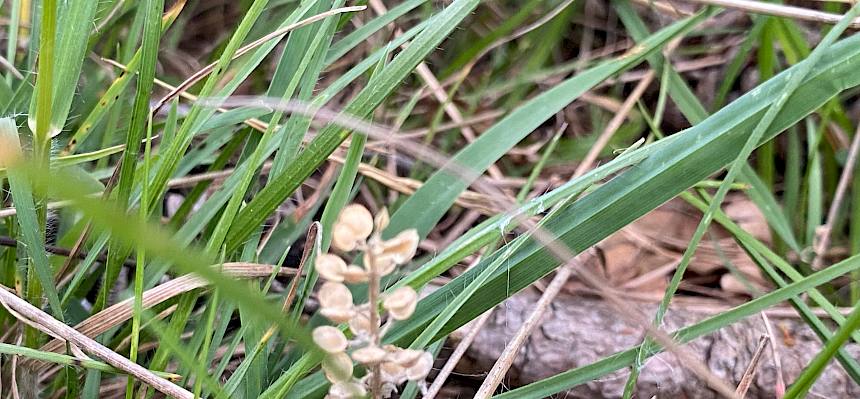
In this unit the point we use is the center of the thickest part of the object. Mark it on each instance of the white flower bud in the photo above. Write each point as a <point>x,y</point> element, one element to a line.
<point>421,368</point>
<point>360,325</point>
<point>406,357</point>
<point>393,372</point>
<point>335,295</point>
<point>380,222</point>
<point>330,267</point>
<point>369,355</point>
<point>401,248</point>
<point>355,275</point>
<point>347,390</point>
<point>400,304</point>
<point>336,302</point>
<point>337,367</point>
<point>353,226</point>
<point>330,339</point>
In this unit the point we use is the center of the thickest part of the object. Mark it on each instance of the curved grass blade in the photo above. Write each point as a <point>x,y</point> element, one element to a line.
<point>580,375</point>
<point>752,141</point>
<point>430,202</point>
<point>809,375</point>
<point>283,185</point>
<point>107,216</point>
<point>32,231</point>
<point>675,164</point>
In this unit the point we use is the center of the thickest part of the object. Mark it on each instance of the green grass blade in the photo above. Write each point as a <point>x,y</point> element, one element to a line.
<point>677,163</point>
<point>74,25</point>
<point>31,230</point>
<point>562,381</point>
<point>361,34</point>
<point>151,14</point>
<point>430,202</point>
<point>118,86</point>
<point>283,185</point>
<point>811,373</point>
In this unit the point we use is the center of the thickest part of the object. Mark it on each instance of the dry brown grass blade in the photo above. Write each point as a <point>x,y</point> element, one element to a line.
<point>197,76</point>
<point>751,370</point>
<point>833,213</point>
<point>73,336</point>
<point>122,311</point>
<point>503,364</point>
<point>779,10</point>
<point>311,239</point>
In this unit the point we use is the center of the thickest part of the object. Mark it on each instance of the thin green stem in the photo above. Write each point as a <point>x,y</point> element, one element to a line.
<point>735,168</point>
<point>56,358</point>
<point>809,375</point>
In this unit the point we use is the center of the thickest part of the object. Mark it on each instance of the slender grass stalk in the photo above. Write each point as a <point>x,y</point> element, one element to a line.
<point>44,83</point>
<point>140,261</point>
<point>12,38</point>
<point>56,358</point>
<point>809,375</point>
<point>42,133</point>
<point>151,17</point>
<point>735,168</point>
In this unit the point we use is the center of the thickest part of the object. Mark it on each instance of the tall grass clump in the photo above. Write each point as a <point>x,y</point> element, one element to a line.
<point>197,193</point>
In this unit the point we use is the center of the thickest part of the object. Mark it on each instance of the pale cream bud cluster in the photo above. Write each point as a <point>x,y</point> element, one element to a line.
<point>357,229</point>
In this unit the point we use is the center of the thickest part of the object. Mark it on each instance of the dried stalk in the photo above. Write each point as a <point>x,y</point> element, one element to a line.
<point>34,314</point>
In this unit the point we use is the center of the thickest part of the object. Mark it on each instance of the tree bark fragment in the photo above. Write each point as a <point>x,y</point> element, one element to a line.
<point>577,331</point>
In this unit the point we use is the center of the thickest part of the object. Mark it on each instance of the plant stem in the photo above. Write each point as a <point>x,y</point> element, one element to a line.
<point>373,301</point>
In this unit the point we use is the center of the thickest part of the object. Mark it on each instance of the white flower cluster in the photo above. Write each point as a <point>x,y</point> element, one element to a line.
<point>388,366</point>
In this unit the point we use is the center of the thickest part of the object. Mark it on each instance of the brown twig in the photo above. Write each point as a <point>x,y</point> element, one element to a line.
<point>838,198</point>
<point>197,76</point>
<point>34,314</point>
<point>779,10</point>
<point>750,372</point>
<point>497,373</point>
